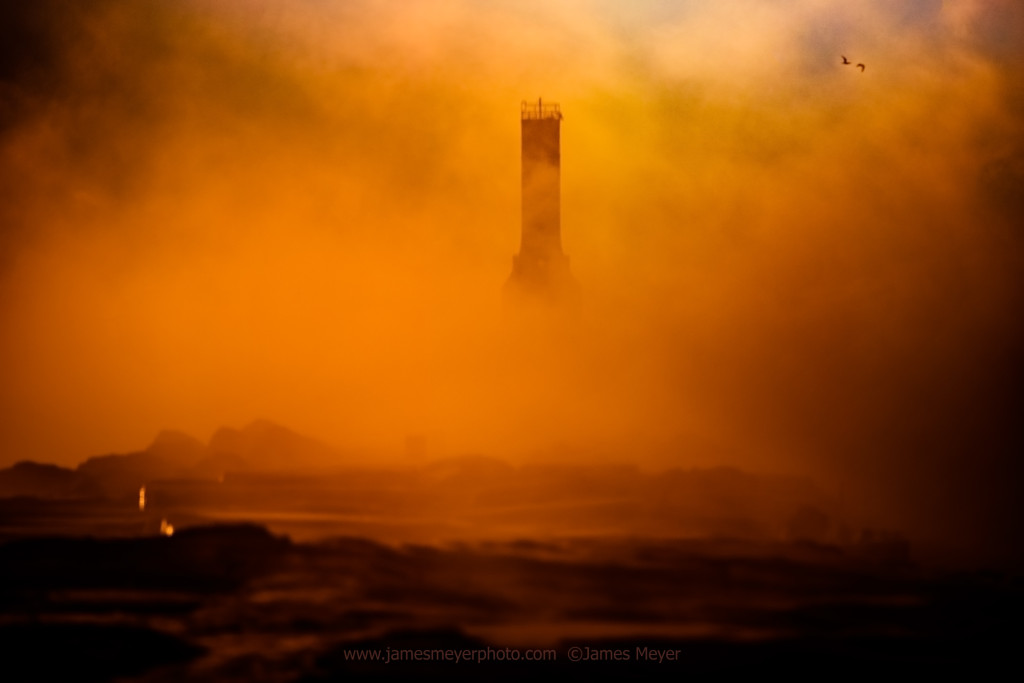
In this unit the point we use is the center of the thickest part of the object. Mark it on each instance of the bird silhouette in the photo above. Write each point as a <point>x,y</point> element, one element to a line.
<point>861,67</point>
<point>845,60</point>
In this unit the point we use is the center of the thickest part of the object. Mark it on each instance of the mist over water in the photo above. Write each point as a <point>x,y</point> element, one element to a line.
<point>217,211</point>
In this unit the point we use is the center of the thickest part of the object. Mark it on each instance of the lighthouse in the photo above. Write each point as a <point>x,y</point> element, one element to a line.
<point>540,271</point>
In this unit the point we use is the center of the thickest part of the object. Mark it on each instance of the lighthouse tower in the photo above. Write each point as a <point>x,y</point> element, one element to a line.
<point>540,271</point>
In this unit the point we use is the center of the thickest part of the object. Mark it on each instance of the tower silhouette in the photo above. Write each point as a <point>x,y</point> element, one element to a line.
<point>540,271</point>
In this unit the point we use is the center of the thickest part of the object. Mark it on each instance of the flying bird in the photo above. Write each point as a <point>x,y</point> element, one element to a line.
<point>845,60</point>
<point>861,67</point>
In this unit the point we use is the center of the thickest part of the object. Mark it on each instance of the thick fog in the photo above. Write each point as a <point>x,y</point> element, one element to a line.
<point>216,210</point>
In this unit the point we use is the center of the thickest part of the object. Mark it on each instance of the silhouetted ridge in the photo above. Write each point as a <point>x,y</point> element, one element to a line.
<point>266,445</point>
<point>178,445</point>
<point>261,445</point>
<point>28,478</point>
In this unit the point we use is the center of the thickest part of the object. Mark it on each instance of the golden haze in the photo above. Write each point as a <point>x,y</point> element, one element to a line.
<point>215,211</point>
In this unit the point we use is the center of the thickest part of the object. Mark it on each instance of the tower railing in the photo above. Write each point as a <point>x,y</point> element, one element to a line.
<point>539,110</point>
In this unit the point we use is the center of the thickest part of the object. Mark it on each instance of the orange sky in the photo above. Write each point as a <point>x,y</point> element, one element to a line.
<point>217,210</point>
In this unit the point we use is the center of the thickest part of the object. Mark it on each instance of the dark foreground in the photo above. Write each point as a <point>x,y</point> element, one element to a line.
<point>236,603</point>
